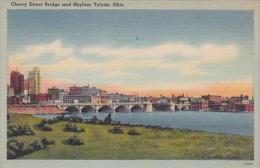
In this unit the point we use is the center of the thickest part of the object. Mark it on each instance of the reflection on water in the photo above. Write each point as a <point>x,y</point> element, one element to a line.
<point>230,123</point>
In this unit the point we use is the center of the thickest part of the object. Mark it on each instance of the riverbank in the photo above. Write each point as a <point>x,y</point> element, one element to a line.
<point>217,122</point>
<point>35,109</point>
<point>151,144</point>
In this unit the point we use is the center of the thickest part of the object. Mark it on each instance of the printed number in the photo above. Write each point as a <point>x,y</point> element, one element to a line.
<point>248,163</point>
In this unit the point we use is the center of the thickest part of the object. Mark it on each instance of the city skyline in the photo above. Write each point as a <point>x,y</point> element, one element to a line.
<point>153,52</point>
<point>20,85</point>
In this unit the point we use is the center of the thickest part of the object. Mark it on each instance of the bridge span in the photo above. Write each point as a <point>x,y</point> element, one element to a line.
<point>121,107</point>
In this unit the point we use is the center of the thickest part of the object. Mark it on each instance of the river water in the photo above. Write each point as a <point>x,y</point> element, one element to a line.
<point>220,122</point>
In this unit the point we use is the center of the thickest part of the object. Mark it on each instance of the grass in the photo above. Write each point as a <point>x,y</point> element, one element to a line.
<point>151,144</point>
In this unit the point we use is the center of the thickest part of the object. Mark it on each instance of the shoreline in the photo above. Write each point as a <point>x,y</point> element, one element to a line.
<point>36,109</point>
<point>143,126</point>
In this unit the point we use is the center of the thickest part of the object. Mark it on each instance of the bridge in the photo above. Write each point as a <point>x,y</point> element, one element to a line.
<point>122,107</point>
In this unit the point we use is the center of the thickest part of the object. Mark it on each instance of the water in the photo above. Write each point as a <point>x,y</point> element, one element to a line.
<point>221,122</point>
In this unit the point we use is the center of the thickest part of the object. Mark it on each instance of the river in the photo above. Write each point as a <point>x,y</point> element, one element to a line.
<point>221,122</point>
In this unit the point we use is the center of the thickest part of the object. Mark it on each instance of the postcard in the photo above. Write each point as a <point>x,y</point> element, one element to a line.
<point>130,84</point>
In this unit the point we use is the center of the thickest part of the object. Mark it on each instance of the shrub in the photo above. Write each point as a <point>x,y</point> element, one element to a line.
<point>36,145</point>
<point>74,140</point>
<point>17,130</point>
<point>17,149</point>
<point>14,148</point>
<point>69,127</point>
<point>44,127</point>
<point>46,141</point>
<point>116,130</point>
<point>132,131</point>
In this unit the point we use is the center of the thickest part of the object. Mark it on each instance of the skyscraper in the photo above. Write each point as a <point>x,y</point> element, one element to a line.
<point>34,81</point>
<point>17,82</point>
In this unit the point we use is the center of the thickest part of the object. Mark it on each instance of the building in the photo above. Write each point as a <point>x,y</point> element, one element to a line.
<point>92,91</point>
<point>96,99</point>
<point>84,94</point>
<point>105,99</point>
<point>29,85</point>
<point>223,107</point>
<point>86,90</point>
<point>34,81</point>
<point>15,100</point>
<point>199,104</point>
<point>76,99</point>
<point>38,98</point>
<point>118,97</point>
<point>75,90</point>
<point>214,102</point>
<point>97,92</point>
<point>17,82</point>
<point>240,103</point>
<point>238,107</point>
<point>54,92</point>
<point>184,101</point>
<point>10,91</point>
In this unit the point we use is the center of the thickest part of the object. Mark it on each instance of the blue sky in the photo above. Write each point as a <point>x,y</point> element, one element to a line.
<point>170,48</point>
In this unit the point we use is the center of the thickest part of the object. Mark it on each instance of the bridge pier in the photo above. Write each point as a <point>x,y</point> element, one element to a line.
<point>172,107</point>
<point>149,107</point>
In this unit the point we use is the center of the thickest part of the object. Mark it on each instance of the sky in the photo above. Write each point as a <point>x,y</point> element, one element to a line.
<point>150,52</point>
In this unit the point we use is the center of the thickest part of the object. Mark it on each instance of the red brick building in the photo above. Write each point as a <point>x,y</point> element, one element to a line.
<point>75,90</point>
<point>14,100</point>
<point>236,107</point>
<point>17,82</point>
<point>199,105</point>
<point>214,102</point>
<point>40,98</point>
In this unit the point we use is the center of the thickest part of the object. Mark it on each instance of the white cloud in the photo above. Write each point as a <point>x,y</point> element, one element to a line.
<point>153,56</point>
<point>55,49</point>
<point>126,58</point>
<point>207,51</point>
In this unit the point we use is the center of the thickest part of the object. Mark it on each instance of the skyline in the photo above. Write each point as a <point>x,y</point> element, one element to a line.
<point>183,51</point>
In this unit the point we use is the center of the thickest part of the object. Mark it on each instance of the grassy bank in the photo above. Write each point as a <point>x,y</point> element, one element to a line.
<point>151,144</point>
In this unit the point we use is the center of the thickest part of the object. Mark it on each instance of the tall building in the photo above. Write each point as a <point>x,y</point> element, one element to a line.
<point>34,81</point>
<point>17,82</point>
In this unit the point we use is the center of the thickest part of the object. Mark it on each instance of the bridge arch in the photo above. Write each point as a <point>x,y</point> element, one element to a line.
<point>121,108</point>
<point>136,108</point>
<point>88,109</point>
<point>105,108</point>
<point>72,109</point>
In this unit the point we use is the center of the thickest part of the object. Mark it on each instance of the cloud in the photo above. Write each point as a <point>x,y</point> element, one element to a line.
<point>55,49</point>
<point>124,60</point>
<point>209,52</point>
<point>154,56</point>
